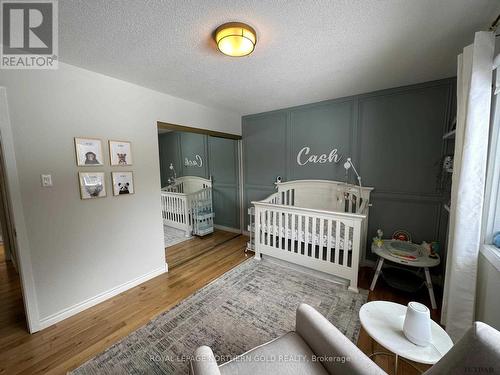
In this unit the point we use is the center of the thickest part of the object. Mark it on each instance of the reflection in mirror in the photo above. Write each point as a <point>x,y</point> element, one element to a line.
<point>199,193</point>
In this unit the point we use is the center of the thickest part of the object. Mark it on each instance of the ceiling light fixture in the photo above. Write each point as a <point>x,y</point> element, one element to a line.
<point>235,39</point>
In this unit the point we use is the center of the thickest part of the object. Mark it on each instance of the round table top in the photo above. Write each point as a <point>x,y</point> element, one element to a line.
<point>383,321</point>
<point>390,247</point>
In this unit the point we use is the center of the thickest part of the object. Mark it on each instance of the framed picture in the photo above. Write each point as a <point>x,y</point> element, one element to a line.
<point>88,152</point>
<point>92,185</point>
<point>120,153</point>
<point>123,183</point>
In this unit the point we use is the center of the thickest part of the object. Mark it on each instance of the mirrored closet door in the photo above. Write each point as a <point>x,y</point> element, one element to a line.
<point>200,192</point>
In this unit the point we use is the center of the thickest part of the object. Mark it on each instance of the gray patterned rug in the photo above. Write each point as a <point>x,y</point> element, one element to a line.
<point>247,306</point>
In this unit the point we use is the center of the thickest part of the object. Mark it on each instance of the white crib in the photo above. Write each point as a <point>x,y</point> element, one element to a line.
<point>187,205</point>
<point>318,224</point>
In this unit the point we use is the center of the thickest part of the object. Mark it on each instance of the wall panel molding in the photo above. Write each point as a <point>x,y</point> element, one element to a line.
<point>394,139</point>
<point>386,92</point>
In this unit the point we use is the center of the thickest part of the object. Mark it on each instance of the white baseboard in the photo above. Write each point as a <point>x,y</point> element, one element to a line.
<point>75,309</point>
<point>227,229</point>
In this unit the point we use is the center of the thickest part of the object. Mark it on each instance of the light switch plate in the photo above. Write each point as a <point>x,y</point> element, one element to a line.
<point>46,180</point>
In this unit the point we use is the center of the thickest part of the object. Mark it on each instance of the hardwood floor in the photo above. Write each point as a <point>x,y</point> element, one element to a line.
<point>66,345</point>
<point>187,250</point>
<point>12,317</point>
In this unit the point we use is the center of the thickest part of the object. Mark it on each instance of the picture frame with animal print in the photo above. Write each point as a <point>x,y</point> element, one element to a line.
<point>123,183</point>
<point>89,152</point>
<point>92,185</point>
<point>120,153</point>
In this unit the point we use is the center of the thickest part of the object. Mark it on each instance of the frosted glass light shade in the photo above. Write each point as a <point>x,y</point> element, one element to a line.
<point>235,39</point>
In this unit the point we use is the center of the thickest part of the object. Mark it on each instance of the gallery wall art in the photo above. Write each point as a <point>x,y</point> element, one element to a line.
<point>120,153</point>
<point>92,185</point>
<point>123,183</point>
<point>89,152</point>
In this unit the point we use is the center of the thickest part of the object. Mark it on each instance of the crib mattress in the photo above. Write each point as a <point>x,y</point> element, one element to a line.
<point>301,236</point>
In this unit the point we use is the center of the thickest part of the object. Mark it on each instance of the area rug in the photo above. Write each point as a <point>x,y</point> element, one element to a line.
<point>173,236</point>
<point>247,306</point>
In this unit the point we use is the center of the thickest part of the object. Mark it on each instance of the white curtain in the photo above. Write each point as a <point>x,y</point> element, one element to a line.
<point>474,81</point>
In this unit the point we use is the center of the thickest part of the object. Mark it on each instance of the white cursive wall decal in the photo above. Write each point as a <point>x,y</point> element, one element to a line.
<point>197,162</point>
<point>304,157</point>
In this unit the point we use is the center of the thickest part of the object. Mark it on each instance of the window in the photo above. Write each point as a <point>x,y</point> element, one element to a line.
<point>492,196</point>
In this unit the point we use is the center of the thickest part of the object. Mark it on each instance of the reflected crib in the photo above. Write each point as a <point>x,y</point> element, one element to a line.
<point>187,205</point>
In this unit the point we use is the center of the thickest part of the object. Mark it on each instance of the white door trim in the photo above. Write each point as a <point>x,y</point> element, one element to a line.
<point>22,243</point>
<point>240,186</point>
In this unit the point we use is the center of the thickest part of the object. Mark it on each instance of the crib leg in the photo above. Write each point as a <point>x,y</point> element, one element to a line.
<point>353,286</point>
<point>187,234</point>
<point>257,256</point>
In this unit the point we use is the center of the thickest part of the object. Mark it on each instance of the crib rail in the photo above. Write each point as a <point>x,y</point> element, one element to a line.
<point>337,196</point>
<point>188,184</point>
<point>323,240</point>
<point>331,195</point>
<point>175,210</point>
<point>176,187</point>
<point>275,198</point>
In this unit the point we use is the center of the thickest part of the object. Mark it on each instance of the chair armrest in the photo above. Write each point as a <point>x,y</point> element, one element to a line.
<point>335,351</point>
<point>477,351</point>
<point>204,362</point>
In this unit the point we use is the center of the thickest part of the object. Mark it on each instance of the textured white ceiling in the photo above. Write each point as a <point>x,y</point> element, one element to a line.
<point>307,50</point>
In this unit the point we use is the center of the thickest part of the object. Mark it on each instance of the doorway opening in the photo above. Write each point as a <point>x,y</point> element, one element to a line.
<point>12,312</point>
<point>200,190</point>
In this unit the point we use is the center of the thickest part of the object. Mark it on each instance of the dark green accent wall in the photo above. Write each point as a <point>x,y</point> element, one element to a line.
<point>194,148</point>
<point>224,167</point>
<point>169,148</point>
<point>393,136</point>
<point>219,160</point>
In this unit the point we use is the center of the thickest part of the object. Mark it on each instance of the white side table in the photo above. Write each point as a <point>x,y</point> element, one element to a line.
<point>383,321</point>
<point>385,252</point>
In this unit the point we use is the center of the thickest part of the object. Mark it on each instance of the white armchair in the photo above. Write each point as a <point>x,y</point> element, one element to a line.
<point>317,347</point>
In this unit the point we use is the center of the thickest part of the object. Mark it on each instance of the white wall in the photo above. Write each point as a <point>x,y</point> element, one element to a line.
<point>82,249</point>
<point>488,285</point>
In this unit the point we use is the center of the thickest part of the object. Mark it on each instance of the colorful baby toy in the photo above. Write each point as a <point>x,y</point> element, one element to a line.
<point>431,248</point>
<point>378,240</point>
<point>496,239</point>
<point>401,235</point>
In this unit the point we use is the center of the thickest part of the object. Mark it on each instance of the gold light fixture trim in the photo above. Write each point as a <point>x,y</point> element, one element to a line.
<point>235,39</point>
